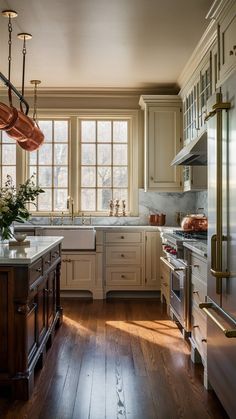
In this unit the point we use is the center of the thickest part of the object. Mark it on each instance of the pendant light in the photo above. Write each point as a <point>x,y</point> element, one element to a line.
<point>37,136</point>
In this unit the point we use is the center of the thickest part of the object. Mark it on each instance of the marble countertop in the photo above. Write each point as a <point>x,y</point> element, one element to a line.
<point>198,247</point>
<point>25,255</point>
<point>147,227</point>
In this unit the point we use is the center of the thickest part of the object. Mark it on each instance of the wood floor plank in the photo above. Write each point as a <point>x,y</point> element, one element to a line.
<point>117,360</point>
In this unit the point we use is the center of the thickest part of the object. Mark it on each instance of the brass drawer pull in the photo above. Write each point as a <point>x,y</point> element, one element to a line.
<point>195,326</point>
<point>195,292</point>
<point>204,340</point>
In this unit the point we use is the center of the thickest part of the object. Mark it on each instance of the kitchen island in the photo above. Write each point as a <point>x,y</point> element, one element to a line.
<point>29,309</point>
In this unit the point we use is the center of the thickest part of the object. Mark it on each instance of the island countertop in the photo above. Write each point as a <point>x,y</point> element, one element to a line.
<point>27,254</point>
<point>199,247</point>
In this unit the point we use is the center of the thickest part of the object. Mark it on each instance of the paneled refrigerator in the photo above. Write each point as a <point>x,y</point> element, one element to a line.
<point>220,307</point>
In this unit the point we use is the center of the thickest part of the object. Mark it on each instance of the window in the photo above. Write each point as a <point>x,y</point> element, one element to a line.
<point>50,163</point>
<point>104,153</point>
<point>91,156</point>
<point>8,157</point>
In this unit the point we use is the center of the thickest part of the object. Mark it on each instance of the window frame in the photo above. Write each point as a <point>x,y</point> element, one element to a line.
<point>74,115</point>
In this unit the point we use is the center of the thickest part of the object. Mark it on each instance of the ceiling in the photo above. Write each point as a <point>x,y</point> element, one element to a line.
<point>103,43</point>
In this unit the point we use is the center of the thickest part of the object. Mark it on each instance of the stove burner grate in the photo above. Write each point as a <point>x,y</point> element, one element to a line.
<point>195,235</point>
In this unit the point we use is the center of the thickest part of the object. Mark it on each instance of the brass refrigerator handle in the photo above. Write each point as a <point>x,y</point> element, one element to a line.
<point>229,333</point>
<point>220,274</point>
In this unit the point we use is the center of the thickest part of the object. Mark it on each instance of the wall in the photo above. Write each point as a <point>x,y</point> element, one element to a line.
<point>201,201</point>
<point>149,202</point>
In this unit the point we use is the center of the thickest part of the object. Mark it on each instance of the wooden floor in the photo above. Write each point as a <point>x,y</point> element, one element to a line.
<point>113,360</point>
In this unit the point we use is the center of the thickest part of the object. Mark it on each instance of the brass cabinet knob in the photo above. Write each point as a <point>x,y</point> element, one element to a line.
<point>122,276</point>
<point>122,237</point>
<point>122,255</point>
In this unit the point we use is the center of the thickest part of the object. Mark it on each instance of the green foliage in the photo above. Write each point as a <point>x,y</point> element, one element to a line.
<point>14,203</point>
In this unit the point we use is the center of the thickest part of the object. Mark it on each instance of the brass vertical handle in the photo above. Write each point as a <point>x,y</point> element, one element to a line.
<point>213,252</point>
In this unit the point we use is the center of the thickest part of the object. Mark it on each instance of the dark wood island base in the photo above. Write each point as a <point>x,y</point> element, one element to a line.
<point>30,312</point>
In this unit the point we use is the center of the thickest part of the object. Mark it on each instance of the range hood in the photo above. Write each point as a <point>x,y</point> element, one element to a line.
<point>193,154</point>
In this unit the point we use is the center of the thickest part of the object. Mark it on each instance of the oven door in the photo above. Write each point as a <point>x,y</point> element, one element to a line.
<point>178,290</point>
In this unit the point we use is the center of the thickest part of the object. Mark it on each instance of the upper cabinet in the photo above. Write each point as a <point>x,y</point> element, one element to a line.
<point>162,141</point>
<point>227,41</point>
<point>195,99</point>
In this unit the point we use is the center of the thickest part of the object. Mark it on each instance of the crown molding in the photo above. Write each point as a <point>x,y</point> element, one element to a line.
<point>78,92</point>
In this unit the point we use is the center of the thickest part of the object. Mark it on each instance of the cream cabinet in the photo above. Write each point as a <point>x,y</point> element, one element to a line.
<point>124,260</point>
<point>131,260</point>
<point>152,257</point>
<point>165,273</point>
<point>198,281</point>
<point>227,43</point>
<point>162,141</point>
<point>195,99</point>
<point>78,271</point>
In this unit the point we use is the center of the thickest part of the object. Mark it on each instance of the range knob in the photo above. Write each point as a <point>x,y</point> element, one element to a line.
<point>173,252</point>
<point>167,248</point>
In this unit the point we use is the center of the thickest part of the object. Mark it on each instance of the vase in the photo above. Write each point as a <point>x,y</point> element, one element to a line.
<point>6,233</point>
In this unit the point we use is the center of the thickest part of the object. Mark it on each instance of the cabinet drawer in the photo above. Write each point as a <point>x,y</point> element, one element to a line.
<point>120,237</point>
<point>118,255</point>
<point>126,276</point>
<point>35,271</point>
<point>199,321</point>
<point>199,290</point>
<point>199,267</point>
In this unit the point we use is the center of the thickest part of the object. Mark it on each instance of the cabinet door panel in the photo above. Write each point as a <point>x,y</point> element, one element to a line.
<point>51,300</point>
<point>80,271</point>
<point>164,144</point>
<point>42,311</point>
<point>31,330</point>
<point>152,260</point>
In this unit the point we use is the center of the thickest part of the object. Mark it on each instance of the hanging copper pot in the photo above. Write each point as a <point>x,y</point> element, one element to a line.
<point>34,142</point>
<point>8,116</point>
<point>22,129</point>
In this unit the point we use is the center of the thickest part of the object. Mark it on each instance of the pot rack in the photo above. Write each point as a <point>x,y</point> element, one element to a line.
<point>14,89</point>
<point>17,123</point>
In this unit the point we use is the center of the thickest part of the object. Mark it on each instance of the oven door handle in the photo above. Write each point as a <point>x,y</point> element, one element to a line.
<point>167,263</point>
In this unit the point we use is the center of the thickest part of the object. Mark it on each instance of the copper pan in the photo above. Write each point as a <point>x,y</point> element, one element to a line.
<point>33,143</point>
<point>8,116</point>
<point>22,129</point>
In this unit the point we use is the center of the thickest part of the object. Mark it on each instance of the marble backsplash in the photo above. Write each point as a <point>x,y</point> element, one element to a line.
<point>149,203</point>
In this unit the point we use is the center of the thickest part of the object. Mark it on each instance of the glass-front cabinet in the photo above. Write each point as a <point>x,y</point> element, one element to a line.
<point>195,100</point>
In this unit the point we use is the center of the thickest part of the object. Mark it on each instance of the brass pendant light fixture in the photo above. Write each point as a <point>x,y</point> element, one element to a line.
<point>15,122</point>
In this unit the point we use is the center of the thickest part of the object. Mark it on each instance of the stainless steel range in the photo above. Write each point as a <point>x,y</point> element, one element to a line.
<point>180,287</point>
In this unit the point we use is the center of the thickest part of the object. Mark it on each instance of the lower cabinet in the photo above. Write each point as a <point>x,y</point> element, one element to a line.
<point>198,276</point>
<point>152,257</point>
<point>131,260</point>
<point>78,271</point>
<point>165,283</point>
<point>29,313</point>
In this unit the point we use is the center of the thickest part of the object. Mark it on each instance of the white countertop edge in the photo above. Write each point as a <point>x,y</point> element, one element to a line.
<point>194,247</point>
<point>11,258</point>
<point>97,227</point>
